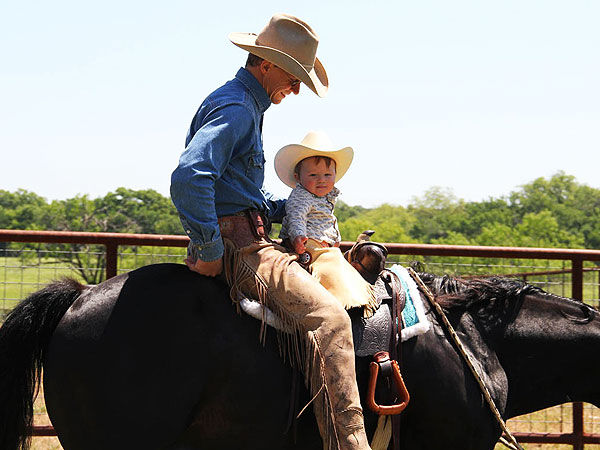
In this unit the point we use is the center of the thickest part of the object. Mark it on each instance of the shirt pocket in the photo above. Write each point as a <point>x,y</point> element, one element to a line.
<point>256,165</point>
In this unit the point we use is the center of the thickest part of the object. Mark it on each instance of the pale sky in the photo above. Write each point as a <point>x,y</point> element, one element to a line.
<point>479,97</point>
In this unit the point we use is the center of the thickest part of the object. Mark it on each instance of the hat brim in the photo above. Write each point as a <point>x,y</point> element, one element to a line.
<point>289,156</point>
<point>316,79</point>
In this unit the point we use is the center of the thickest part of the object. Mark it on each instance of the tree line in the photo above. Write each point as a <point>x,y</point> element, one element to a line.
<point>547,212</point>
<point>557,212</point>
<point>553,212</point>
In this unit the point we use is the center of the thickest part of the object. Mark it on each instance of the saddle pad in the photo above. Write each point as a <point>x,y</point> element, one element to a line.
<point>414,319</point>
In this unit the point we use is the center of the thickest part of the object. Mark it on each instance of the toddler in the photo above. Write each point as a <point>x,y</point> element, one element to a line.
<point>312,168</point>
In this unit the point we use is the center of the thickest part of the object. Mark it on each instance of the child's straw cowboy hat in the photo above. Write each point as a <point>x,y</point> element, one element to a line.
<point>291,45</point>
<point>315,143</point>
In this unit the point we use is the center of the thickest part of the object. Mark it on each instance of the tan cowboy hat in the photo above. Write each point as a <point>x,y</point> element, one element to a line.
<point>315,143</point>
<point>291,45</point>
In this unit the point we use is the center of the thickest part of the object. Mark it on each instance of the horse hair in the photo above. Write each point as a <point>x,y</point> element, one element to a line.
<point>493,301</point>
<point>465,293</point>
<point>21,356</point>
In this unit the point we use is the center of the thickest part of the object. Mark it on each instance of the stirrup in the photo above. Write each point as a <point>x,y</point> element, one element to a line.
<point>389,368</point>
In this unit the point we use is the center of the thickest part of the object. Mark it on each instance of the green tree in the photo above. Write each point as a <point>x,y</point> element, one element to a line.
<point>498,234</point>
<point>542,230</point>
<point>435,214</point>
<point>20,210</point>
<point>344,211</point>
<point>576,207</point>
<point>121,211</point>
<point>390,224</point>
<point>477,215</point>
<point>553,212</point>
<point>142,211</point>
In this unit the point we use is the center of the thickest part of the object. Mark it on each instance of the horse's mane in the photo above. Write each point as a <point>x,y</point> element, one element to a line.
<point>490,299</point>
<point>464,293</point>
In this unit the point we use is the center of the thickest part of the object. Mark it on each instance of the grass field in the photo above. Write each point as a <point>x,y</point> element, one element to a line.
<point>23,275</point>
<point>18,279</point>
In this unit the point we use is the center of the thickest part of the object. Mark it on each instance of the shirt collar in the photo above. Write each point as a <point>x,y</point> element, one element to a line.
<point>331,195</point>
<point>257,91</point>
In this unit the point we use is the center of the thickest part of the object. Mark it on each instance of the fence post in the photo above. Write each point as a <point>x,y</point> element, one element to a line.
<point>577,293</point>
<point>577,279</point>
<point>111,259</point>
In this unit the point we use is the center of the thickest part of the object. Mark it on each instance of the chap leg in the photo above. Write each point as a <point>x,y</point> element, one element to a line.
<point>328,356</point>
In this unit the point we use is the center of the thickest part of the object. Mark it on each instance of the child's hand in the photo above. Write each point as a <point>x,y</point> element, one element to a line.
<point>298,244</point>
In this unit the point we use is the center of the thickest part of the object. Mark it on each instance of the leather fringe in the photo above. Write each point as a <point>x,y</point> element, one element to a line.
<point>314,378</point>
<point>300,349</point>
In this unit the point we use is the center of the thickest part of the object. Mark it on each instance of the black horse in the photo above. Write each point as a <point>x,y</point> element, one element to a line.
<point>159,359</point>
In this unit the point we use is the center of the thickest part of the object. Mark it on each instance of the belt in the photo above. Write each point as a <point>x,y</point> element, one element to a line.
<point>244,227</point>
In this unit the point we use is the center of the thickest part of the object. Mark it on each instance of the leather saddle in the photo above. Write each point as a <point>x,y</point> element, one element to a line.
<point>379,336</point>
<point>374,334</point>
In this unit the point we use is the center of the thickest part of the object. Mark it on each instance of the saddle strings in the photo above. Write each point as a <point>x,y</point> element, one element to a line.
<point>512,443</point>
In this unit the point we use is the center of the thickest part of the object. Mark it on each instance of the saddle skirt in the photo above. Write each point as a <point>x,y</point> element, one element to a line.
<point>371,334</point>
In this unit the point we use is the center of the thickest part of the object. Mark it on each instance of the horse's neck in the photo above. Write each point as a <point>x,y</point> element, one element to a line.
<point>547,353</point>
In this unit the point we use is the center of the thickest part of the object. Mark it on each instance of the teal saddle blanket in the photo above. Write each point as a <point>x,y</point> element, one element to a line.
<point>414,319</point>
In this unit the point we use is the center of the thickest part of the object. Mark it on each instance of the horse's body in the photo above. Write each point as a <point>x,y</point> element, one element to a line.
<point>158,359</point>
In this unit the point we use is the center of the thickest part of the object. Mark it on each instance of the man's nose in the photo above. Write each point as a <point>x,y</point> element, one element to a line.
<point>296,89</point>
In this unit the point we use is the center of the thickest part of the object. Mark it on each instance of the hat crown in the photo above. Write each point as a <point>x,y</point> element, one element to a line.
<point>292,36</point>
<point>291,45</point>
<point>315,143</point>
<point>317,140</point>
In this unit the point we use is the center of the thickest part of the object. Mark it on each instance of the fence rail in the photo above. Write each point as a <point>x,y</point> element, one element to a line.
<point>577,257</point>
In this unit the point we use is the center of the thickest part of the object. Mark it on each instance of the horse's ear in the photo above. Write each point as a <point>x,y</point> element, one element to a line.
<point>365,235</point>
<point>417,266</point>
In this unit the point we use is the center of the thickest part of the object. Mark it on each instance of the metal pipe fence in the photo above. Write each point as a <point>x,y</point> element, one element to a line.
<point>30,259</point>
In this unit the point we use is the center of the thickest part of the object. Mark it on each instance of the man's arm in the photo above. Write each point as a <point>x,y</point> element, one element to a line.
<point>193,182</point>
<point>276,207</point>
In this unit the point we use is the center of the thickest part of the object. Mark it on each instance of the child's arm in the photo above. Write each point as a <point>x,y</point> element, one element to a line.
<point>297,208</point>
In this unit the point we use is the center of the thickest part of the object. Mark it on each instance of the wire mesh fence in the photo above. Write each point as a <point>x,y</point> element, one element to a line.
<point>554,277</point>
<point>25,267</point>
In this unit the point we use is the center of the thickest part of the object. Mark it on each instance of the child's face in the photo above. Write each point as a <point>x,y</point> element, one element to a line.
<point>316,178</point>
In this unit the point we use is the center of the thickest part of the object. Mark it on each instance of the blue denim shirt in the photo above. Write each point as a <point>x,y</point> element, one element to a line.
<point>221,171</point>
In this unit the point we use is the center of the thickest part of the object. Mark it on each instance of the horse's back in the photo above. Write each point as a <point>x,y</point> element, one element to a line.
<point>127,363</point>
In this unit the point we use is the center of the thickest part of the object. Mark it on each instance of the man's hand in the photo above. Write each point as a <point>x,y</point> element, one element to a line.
<point>298,244</point>
<point>208,268</point>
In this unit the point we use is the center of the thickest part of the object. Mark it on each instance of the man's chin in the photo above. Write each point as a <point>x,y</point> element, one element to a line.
<point>277,98</point>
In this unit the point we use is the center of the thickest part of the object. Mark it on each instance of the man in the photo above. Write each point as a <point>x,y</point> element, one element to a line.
<point>217,189</point>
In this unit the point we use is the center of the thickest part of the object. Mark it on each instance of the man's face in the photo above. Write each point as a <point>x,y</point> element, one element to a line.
<point>278,83</point>
<point>316,177</point>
